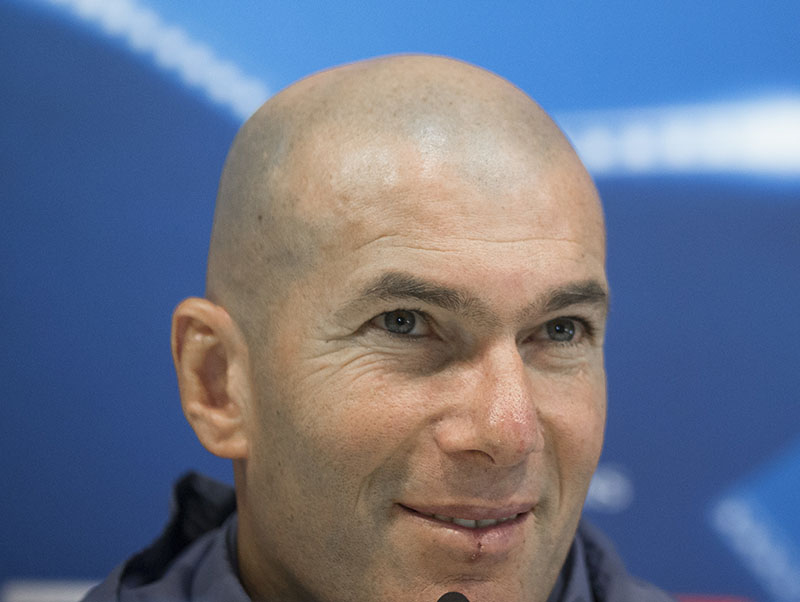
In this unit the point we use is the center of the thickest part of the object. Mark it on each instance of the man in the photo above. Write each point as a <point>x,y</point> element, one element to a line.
<point>401,350</point>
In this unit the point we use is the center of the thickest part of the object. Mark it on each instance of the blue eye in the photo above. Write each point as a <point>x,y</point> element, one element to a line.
<point>561,330</point>
<point>403,322</point>
<point>400,321</point>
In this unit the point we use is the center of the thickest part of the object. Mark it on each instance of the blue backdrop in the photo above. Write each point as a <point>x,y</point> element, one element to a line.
<point>116,119</point>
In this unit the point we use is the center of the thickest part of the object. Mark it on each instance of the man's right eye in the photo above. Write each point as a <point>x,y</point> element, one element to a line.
<point>402,322</point>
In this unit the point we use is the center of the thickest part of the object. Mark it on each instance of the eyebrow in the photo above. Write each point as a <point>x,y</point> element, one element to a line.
<point>587,292</point>
<point>401,285</point>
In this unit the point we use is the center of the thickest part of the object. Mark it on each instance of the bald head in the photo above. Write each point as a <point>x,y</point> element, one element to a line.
<point>292,179</point>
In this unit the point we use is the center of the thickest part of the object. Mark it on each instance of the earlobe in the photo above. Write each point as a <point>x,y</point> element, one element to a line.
<point>212,365</point>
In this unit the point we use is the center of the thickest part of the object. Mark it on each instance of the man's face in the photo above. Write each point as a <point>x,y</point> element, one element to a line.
<point>430,395</point>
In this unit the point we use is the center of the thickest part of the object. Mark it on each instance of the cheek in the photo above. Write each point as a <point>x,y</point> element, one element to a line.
<point>574,421</point>
<point>342,413</point>
<point>365,409</point>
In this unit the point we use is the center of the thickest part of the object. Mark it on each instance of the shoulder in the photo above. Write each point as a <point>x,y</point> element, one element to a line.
<point>609,580</point>
<point>191,556</point>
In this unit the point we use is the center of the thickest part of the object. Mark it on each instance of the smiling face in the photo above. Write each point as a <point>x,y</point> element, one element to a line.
<point>429,391</point>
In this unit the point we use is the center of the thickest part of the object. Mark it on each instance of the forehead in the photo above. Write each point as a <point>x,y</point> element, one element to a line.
<point>356,189</point>
<point>486,222</point>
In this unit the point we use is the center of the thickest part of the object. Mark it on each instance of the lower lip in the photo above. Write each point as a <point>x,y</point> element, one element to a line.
<point>494,540</point>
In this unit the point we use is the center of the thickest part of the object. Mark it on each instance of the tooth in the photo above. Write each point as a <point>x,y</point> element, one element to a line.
<point>470,523</point>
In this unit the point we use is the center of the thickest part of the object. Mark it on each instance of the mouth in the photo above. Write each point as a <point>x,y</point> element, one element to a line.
<point>471,519</point>
<point>468,533</point>
<point>470,523</point>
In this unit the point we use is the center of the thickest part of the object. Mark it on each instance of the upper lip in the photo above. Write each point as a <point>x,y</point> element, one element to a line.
<point>470,511</point>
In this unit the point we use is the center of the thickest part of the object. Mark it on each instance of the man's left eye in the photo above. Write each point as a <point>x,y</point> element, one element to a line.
<point>405,322</point>
<point>563,330</point>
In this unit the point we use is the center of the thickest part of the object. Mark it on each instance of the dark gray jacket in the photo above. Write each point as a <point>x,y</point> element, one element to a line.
<point>193,560</point>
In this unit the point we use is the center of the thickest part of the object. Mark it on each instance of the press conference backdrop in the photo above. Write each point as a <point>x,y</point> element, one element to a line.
<point>116,116</point>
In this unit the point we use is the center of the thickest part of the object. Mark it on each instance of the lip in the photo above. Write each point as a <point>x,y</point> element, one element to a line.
<point>489,543</point>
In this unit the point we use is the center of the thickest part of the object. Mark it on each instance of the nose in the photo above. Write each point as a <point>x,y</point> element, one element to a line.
<point>494,412</point>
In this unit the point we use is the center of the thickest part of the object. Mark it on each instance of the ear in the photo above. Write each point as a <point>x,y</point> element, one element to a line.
<point>211,359</point>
